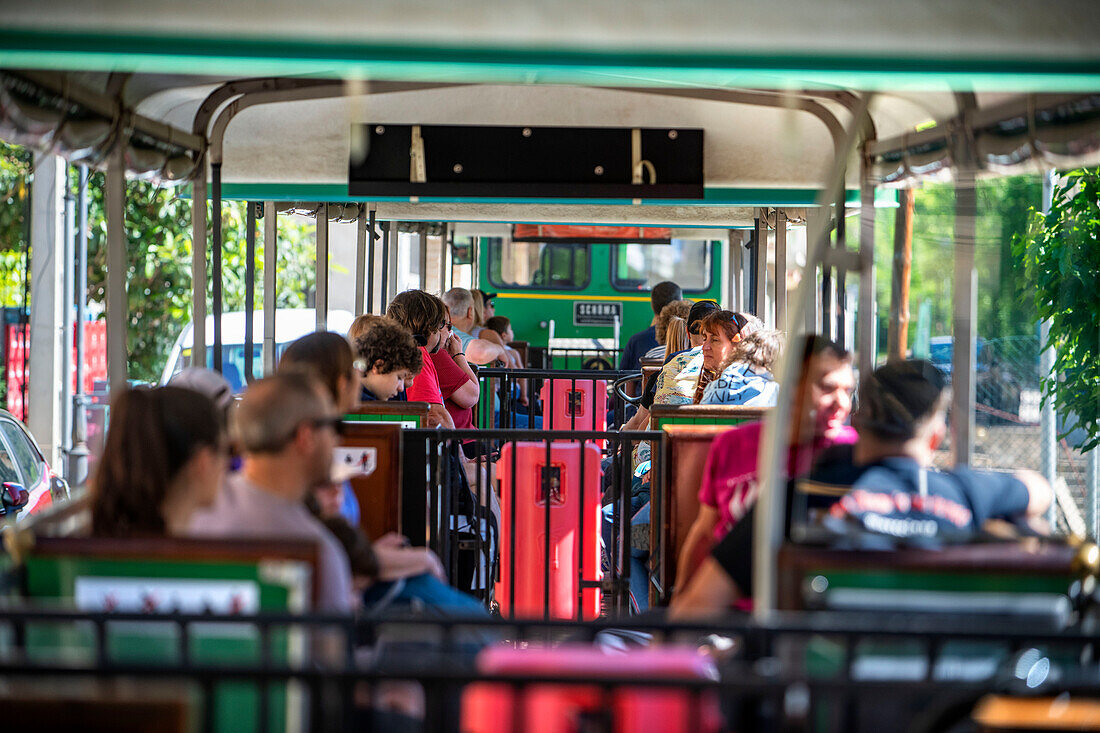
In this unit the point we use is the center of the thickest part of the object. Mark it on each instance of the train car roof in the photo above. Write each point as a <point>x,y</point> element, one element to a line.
<point>773,85</point>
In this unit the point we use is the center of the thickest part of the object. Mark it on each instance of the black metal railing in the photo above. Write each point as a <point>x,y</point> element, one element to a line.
<point>798,672</point>
<point>569,491</point>
<point>587,358</point>
<point>578,399</point>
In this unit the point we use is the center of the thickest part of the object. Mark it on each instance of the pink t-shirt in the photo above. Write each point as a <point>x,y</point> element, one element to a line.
<point>425,387</point>
<point>730,477</point>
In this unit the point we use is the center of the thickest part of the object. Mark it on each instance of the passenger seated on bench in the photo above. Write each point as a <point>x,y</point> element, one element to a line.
<point>662,294</point>
<point>286,428</point>
<point>327,358</point>
<point>676,309</point>
<point>746,378</point>
<point>425,317</point>
<point>819,410</point>
<point>460,305</point>
<point>387,356</point>
<point>698,312</point>
<point>164,458</point>
<point>892,490</point>
<point>684,378</point>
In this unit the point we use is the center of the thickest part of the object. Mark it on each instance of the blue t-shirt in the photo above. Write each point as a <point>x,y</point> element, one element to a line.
<point>636,347</point>
<point>464,337</point>
<point>739,384</point>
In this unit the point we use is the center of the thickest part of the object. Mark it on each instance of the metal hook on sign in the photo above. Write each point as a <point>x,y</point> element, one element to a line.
<point>417,165</point>
<point>639,164</point>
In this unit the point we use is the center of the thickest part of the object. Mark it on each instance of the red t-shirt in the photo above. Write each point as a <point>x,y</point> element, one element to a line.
<point>730,477</point>
<point>425,388</point>
<point>451,377</point>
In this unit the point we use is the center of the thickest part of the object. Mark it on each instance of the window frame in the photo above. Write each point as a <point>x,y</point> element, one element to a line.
<point>496,248</point>
<point>613,270</point>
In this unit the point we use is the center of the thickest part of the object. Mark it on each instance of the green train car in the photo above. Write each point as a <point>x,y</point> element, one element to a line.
<point>574,292</point>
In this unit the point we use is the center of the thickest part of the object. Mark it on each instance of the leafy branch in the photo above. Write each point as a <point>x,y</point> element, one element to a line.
<point>1061,258</point>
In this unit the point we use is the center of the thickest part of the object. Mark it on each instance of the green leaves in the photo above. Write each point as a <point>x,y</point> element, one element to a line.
<point>1060,253</point>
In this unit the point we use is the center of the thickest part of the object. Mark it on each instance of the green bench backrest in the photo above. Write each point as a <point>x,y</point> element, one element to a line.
<point>188,576</point>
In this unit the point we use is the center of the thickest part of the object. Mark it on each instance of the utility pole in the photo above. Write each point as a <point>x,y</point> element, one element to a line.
<point>898,334</point>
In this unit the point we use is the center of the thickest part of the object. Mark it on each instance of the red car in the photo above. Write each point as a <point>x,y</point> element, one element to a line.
<point>27,484</point>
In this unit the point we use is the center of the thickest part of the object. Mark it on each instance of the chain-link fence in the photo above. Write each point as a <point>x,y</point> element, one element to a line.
<point>1007,436</point>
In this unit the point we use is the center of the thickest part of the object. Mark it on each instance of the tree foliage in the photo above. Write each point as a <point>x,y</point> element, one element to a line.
<point>1060,254</point>
<point>158,248</point>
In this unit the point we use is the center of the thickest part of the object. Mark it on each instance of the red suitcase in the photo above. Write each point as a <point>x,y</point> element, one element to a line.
<point>574,551</point>
<point>569,404</point>
<point>564,708</point>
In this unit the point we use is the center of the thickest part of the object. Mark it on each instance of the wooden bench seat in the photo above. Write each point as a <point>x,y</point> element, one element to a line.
<point>379,492</point>
<point>989,576</point>
<point>674,511</point>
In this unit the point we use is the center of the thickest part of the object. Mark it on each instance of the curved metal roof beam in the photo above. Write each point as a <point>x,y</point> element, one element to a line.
<point>760,99</point>
<point>284,90</point>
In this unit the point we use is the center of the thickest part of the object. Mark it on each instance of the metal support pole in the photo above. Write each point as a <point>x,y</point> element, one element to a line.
<point>735,251</point>
<point>1092,513</point>
<point>384,289</point>
<point>360,258</point>
<point>320,303</point>
<point>198,267</point>
<point>117,307</point>
<point>249,288</point>
<point>42,409</point>
<point>866,313</point>
<point>841,273</point>
<point>827,298</point>
<point>898,336</point>
<point>271,260</point>
<point>1048,421</point>
<point>760,267</point>
<point>781,271</point>
<point>771,504</point>
<point>77,473</point>
<point>391,265</point>
<point>966,316</point>
<point>422,241</point>
<point>67,271</point>
<point>372,227</point>
<point>216,185</point>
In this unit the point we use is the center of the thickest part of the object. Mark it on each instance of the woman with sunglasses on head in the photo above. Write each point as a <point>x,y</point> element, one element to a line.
<point>165,457</point>
<point>745,378</point>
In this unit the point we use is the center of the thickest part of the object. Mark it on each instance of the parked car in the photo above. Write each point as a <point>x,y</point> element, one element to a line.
<point>27,483</point>
<point>290,324</point>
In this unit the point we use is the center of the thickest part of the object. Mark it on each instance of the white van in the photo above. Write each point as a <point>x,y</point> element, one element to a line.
<point>290,324</point>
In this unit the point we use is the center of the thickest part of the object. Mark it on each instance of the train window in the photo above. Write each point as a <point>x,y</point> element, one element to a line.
<point>641,266</point>
<point>538,265</point>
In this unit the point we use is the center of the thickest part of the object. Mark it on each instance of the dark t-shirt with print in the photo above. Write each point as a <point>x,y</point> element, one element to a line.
<point>891,499</point>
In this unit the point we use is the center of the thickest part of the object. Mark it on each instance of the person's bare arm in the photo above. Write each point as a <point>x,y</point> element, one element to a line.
<point>467,395</point>
<point>640,421</point>
<point>480,351</point>
<point>1039,493</point>
<point>439,417</point>
<point>710,593</point>
<point>701,529</point>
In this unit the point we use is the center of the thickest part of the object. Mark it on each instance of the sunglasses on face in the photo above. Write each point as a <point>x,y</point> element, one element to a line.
<point>335,422</point>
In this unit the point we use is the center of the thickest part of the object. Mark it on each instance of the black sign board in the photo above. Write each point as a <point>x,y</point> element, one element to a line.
<point>525,162</point>
<point>597,314</point>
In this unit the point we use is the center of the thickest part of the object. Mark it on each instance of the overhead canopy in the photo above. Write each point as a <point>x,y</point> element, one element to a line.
<point>772,85</point>
<point>1029,45</point>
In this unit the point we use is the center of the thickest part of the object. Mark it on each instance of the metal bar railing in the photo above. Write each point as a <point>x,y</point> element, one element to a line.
<point>766,663</point>
<point>569,490</point>
<point>498,406</point>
